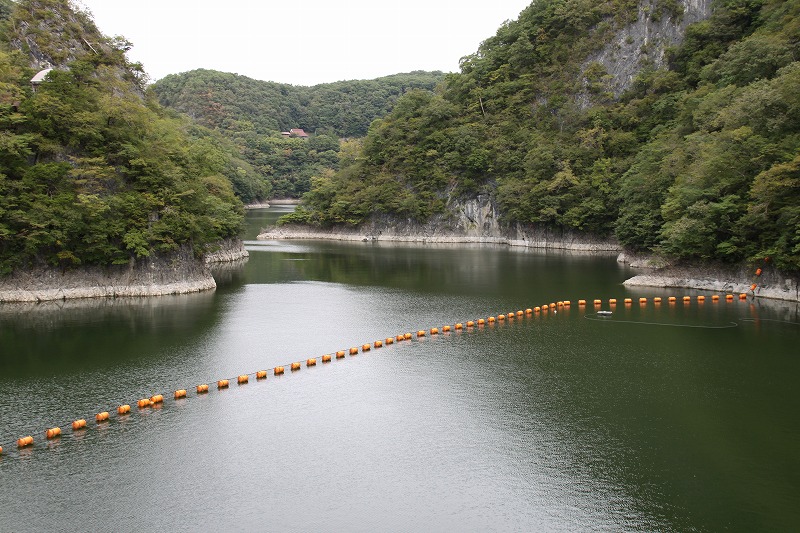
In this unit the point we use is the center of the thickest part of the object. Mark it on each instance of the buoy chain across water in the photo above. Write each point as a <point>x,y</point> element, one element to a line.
<point>243,379</point>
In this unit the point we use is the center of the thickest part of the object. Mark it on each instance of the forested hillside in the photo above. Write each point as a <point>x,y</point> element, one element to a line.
<point>253,113</point>
<point>92,170</point>
<point>698,158</point>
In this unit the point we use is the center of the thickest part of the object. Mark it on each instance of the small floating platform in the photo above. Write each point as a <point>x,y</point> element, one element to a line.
<point>604,313</point>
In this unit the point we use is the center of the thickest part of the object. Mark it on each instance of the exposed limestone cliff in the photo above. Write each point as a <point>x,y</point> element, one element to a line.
<point>721,278</point>
<point>472,221</point>
<point>176,273</point>
<point>644,42</point>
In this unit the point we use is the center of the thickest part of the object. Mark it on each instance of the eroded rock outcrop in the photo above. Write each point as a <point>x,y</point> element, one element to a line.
<point>179,272</point>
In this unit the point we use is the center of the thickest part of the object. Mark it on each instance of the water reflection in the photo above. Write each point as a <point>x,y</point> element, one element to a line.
<point>549,422</point>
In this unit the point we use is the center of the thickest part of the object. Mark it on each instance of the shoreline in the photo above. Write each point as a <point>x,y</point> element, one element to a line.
<point>540,240</point>
<point>789,291</point>
<point>656,271</point>
<point>175,273</point>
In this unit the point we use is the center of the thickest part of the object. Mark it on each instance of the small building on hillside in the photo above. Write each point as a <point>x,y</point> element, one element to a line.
<point>39,78</point>
<point>295,132</point>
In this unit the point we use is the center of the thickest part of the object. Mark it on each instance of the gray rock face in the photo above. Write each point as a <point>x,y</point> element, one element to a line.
<point>724,279</point>
<point>644,42</point>
<point>471,221</point>
<point>176,273</point>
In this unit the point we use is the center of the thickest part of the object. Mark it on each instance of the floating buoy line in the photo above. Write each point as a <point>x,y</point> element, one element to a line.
<point>104,417</point>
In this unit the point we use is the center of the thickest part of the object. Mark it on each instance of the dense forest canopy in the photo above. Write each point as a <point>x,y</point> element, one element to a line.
<point>698,160</point>
<point>92,169</point>
<point>253,113</point>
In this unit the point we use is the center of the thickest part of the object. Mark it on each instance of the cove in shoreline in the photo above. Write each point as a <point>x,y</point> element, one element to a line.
<point>657,272</point>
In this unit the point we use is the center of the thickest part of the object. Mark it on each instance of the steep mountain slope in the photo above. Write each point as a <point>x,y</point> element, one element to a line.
<point>92,170</point>
<point>615,118</point>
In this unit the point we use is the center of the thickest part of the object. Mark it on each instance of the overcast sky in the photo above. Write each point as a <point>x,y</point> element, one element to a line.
<point>301,42</point>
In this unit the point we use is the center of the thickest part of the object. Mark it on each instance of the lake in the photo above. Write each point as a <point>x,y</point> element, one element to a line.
<point>660,417</point>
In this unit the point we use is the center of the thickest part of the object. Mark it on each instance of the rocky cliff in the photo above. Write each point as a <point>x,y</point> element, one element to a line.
<point>175,273</point>
<point>643,43</point>
<point>467,221</point>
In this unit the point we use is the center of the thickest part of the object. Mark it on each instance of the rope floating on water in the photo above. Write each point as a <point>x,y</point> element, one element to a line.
<point>157,400</point>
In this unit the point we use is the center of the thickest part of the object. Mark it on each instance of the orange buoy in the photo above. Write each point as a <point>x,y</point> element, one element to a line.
<point>545,307</point>
<point>471,324</point>
<point>598,302</point>
<point>278,370</point>
<point>123,409</point>
<point>366,347</point>
<point>459,326</point>
<point>501,317</point>
<point>642,300</point>
<point>434,331</point>
<point>326,358</point>
<point>715,298</point>
<point>753,287</point>
<point>311,361</point>
<point>420,333</point>
<point>180,393</point>
<point>399,338</point>
<point>491,319</point>
<point>552,306</point>
<point>101,417</point>
<point>144,402</point>
<point>687,299</point>
<point>353,350</point>
<point>79,424</point>
<point>378,344</point>
<point>445,329</point>
<point>389,340</point>
<point>158,398</point>
<point>729,297</point>
<point>701,298</point>
<point>612,301</point>
<point>295,366</point>
<point>743,296</point>
<point>339,354</point>
<point>758,272</point>
<point>24,441</point>
<point>244,378</point>
<point>222,384</point>
<point>581,302</point>
<point>202,388</point>
<point>537,309</point>
<point>1,450</point>
<point>261,374</point>
<point>529,311</point>
<point>628,301</point>
<point>406,336</point>
<point>53,433</point>
<point>672,299</point>
<point>657,299</point>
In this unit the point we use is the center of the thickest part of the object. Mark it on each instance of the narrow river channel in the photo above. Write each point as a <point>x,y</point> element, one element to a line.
<point>656,418</point>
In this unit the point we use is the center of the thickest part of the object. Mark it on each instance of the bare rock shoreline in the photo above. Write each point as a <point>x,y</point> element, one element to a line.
<point>541,238</point>
<point>657,272</point>
<point>179,272</point>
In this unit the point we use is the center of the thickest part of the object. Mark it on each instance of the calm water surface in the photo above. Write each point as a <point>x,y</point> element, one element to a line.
<point>676,418</point>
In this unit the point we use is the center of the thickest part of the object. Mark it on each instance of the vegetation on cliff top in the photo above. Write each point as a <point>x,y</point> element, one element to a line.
<point>92,169</point>
<point>699,160</point>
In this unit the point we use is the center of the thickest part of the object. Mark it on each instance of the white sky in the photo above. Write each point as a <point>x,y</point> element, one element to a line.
<point>301,42</point>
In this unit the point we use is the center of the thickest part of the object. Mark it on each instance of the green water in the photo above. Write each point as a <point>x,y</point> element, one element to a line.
<point>667,418</point>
